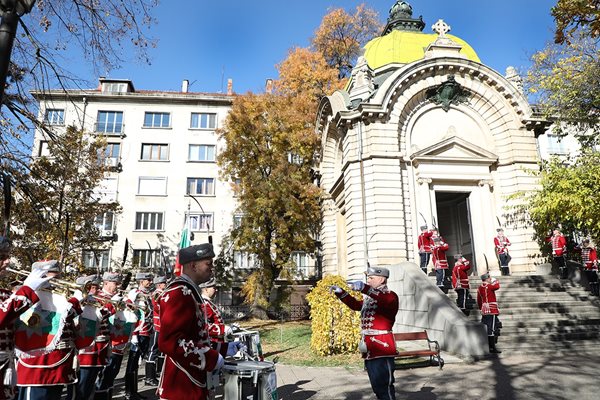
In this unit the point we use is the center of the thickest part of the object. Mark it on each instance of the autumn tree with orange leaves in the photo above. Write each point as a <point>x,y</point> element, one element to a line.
<point>272,147</point>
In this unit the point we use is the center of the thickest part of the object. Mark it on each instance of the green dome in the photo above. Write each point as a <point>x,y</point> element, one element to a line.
<point>407,46</point>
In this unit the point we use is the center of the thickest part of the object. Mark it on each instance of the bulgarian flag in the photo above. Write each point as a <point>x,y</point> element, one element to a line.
<point>183,243</point>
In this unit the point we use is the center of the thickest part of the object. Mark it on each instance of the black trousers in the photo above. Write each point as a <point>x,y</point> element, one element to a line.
<point>136,352</point>
<point>561,261</point>
<point>381,376</point>
<point>425,257</point>
<point>463,295</point>
<point>107,377</point>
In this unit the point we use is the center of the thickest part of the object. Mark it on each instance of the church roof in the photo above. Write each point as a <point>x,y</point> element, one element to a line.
<point>404,47</point>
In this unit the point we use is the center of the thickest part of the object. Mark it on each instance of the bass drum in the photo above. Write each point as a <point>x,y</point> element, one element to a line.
<point>252,341</point>
<point>250,380</point>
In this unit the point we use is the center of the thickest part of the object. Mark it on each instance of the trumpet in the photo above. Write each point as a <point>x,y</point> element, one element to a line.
<point>61,283</point>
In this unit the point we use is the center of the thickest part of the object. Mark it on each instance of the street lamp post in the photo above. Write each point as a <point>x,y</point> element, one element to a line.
<point>10,12</point>
<point>203,212</point>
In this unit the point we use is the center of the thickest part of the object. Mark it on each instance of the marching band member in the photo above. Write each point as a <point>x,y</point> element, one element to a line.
<point>559,251</point>
<point>589,258</point>
<point>378,311</point>
<point>487,303</point>
<point>425,242</point>
<point>155,359</point>
<point>140,340</point>
<point>12,305</point>
<point>43,376</point>
<point>93,358</point>
<point>440,262</point>
<point>184,335</point>
<point>460,280</point>
<point>106,379</point>
<point>501,242</point>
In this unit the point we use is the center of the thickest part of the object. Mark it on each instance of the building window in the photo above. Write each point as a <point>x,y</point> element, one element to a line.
<point>152,186</point>
<point>556,145</point>
<point>203,121</point>
<point>157,120</point>
<point>106,191</point>
<point>295,159</point>
<point>110,155</point>
<point>302,261</point>
<point>146,258</point>
<point>96,259</point>
<point>201,222</point>
<point>105,222</point>
<point>155,152</point>
<point>149,221</point>
<point>114,87</point>
<point>54,116</point>
<point>201,186</point>
<point>43,150</point>
<point>110,122</point>
<point>201,152</point>
<point>243,259</point>
<point>237,220</point>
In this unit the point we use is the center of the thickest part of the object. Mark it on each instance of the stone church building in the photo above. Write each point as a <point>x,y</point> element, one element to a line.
<point>424,133</point>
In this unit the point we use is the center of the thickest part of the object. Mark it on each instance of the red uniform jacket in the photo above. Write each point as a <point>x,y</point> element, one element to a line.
<point>143,299</point>
<point>486,298</point>
<point>438,254</point>
<point>460,278</point>
<point>589,258</point>
<point>96,354</point>
<point>425,242</point>
<point>559,245</point>
<point>185,342</point>
<point>11,307</point>
<point>156,309</point>
<point>56,367</point>
<point>501,243</point>
<point>378,311</point>
<point>216,326</point>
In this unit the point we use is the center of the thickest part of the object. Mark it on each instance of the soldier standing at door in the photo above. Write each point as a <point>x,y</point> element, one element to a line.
<point>440,262</point>
<point>501,242</point>
<point>425,242</point>
<point>559,251</point>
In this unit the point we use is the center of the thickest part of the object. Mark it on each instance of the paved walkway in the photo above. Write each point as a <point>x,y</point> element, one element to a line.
<point>498,377</point>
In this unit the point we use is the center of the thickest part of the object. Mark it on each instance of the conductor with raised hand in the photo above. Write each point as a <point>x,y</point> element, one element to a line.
<point>378,311</point>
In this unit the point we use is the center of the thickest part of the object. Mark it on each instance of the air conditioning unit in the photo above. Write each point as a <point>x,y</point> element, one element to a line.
<point>107,233</point>
<point>111,162</point>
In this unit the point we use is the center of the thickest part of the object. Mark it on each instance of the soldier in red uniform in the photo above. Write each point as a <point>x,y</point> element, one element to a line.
<point>589,258</point>
<point>440,262</point>
<point>43,377</point>
<point>559,251</point>
<point>140,340</point>
<point>184,335</point>
<point>217,330</point>
<point>460,281</point>
<point>155,359</point>
<point>487,303</point>
<point>378,312</point>
<point>12,305</point>
<point>425,242</point>
<point>501,242</point>
<point>93,358</point>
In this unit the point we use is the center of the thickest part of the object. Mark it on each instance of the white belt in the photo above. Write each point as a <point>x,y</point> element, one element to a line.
<point>374,332</point>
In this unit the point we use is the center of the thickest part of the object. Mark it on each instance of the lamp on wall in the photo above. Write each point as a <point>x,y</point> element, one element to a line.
<point>10,12</point>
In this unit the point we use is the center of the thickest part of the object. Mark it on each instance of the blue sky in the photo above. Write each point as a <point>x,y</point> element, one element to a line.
<point>211,41</point>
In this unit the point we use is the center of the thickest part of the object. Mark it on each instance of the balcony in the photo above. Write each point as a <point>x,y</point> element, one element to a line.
<point>110,129</point>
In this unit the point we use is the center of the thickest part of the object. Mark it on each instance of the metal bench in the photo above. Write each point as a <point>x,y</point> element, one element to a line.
<point>432,349</point>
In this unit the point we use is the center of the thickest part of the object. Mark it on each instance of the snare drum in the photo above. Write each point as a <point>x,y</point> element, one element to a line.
<point>250,380</point>
<point>252,341</point>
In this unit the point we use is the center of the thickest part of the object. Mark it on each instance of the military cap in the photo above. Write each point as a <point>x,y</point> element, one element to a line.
<point>437,239</point>
<point>586,241</point>
<point>46,265</point>
<point>378,271</point>
<point>458,256</point>
<point>195,253</point>
<point>424,227</point>
<point>160,279</point>
<point>5,244</point>
<point>485,276</point>
<point>209,283</point>
<point>111,277</point>
<point>84,280</point>
<point>140,276</point>
<point>499,230</point>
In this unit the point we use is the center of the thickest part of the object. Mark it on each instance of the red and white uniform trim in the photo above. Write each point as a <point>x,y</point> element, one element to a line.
<point>425,242</point>
<point>501,243</point>
<point>216,325</point>
<point>559,245</point>
<point>486,298</point>
<point>97,354</point>
<point>460,278</point>
<point>438,254</point>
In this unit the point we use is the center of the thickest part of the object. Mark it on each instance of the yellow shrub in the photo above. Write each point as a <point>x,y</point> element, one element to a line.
<point>335,327</point>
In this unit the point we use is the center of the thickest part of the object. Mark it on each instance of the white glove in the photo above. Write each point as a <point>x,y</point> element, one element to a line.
<point>134,339</point>
<point>37,280</point>
<point>228,330</point>
<point>220,363</point>
<point>234,347</point>
<point>78,294</point>
<point>335,289</point>
<point>357,285</point>
<point>117,297</point>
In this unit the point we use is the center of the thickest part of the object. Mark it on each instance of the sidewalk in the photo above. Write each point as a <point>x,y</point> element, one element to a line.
<point>498,377</point>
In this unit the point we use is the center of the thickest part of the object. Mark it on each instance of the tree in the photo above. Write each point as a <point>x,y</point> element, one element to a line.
<point>568,196</point>
<point>270,153</point>
<point>565,79</point>
<point>341,36</point>
<point>58,201</point>
<point>573,15</point>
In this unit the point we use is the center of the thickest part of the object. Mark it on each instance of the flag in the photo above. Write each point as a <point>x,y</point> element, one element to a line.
<point>183,243</point>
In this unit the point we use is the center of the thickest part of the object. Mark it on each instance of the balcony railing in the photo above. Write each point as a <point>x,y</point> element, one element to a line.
<point>110,128</point>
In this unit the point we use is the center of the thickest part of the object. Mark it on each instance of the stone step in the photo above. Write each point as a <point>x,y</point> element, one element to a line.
<point>545,347</point>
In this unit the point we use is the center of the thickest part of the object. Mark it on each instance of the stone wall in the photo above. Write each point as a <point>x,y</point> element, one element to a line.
<point>424,307</point>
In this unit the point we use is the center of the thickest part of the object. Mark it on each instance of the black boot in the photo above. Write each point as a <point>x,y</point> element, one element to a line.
<point>131,387</point>
<point>159,365</point>
<point>505,271</point>
<point>492,344</point>
<point>150,378</point>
